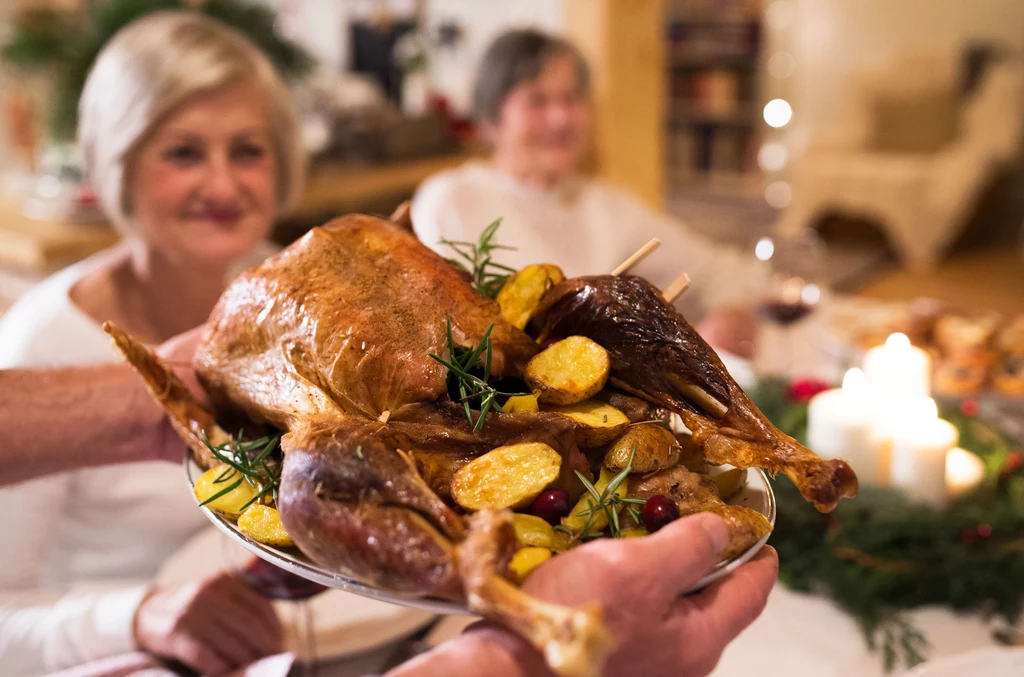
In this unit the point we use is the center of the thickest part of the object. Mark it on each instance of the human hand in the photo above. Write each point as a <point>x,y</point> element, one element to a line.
<point>731,329</point>
<point>214,625</point>
<point>638,584</point>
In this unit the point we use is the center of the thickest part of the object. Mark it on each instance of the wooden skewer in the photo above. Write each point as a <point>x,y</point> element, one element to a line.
<point>676,289</point>
<point>636,258</point>
<point>403,215</point>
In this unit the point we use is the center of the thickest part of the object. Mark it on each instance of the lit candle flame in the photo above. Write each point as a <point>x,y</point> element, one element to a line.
<point>897,341</point>
<point>854,384</point>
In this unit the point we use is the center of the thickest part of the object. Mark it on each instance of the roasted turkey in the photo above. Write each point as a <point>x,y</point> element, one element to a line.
<point>330,341</point>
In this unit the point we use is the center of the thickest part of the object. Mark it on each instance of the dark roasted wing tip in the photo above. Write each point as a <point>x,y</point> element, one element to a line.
<point>834,480</point>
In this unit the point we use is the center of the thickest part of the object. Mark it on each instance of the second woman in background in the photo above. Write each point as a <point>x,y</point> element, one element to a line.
<point>532,99</point>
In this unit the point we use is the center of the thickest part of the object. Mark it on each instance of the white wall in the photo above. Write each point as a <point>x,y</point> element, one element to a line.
<point>832,40</point>
<point>482,21</point>
<point>321,25</point>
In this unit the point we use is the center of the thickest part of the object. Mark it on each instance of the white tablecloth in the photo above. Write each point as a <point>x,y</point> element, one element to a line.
<point>802,635</point>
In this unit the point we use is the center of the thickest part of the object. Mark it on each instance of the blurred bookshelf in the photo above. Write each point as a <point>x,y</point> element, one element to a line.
<point>713,63</point>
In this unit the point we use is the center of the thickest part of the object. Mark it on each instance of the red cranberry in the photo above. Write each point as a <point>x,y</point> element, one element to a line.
<point>659,511</point>
<point>551,506</point>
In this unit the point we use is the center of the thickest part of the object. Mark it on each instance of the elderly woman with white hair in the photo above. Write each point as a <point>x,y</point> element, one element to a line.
<point>191,140</point>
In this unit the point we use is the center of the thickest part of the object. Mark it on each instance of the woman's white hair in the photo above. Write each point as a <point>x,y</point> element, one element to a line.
<point>149,69</point>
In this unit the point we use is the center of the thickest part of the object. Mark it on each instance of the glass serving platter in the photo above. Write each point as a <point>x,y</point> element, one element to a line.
<point>756,494</point>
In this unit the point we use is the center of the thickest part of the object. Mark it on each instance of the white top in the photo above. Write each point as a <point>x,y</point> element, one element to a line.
<point>587,227</point>
<point>78,548</point>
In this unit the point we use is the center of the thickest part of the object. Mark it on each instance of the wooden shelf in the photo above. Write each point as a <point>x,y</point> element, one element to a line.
<point>734,61</point>
<point>685,116</point>
<point>44,246</point>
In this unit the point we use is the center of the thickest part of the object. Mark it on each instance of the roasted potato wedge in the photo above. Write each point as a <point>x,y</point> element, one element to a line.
<point>597,423</point>
<point>532,530</point>
<point>506,477</point>
<point>568,371</point>
<point>521,403</point>
<point>263,523</point>
<point>729,482</point>
<point>575,521</point>
<point>230,502</point>
<point>525,560</point>
<point>522,292</point>
<point>655,448</point>
<point>690,455</point>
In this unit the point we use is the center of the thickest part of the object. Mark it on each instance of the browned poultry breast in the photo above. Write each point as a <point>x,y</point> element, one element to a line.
<point>343,322</point>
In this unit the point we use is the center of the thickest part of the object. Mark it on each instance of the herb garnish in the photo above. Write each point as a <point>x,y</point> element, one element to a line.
<point>247,462</point>
<point>469,386</point>
<point>488,276</point>
<point>607,501</point>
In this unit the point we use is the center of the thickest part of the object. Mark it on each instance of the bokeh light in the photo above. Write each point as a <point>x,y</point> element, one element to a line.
<point>781,65</point>
<point>778,113</point>
<point>778,194</point>
<point>772,156</point>
<point>764,249</point>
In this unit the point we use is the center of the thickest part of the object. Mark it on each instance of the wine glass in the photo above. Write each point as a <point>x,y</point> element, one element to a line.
<point>275,583</point>
<point>796,264</point>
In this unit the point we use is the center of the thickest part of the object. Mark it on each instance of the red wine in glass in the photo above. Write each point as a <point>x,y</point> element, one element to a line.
<point>785,313</point>
<point>276,583</point>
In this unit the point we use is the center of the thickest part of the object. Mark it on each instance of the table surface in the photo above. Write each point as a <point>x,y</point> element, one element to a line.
<point>798,635</point>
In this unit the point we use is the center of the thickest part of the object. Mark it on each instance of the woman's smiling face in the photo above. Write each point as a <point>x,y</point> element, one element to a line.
<point>203,185</point>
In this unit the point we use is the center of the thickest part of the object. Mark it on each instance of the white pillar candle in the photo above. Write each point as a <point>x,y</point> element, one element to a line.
<point>897,372</point>
<point>918,454</point>
<point>964,471</point>
<point>839,426</point>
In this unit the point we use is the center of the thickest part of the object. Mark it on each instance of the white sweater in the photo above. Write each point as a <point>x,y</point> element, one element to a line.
<point>587,227</point>
<point>78,548</point>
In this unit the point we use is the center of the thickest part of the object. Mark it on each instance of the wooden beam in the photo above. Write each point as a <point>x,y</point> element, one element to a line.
<point>624,42</point>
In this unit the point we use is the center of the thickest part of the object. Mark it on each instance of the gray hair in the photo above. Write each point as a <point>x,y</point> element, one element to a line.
<point>515,57</point>
<point>149,69</point>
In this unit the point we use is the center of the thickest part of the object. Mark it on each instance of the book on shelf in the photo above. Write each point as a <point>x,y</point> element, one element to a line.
<point>682,152</point>
<point>726,150</point>
<point>703,149</point>
<point>716,92</point>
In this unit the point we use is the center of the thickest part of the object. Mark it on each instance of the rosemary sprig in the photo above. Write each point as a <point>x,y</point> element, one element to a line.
<point>609,502</point>
<point>246,461</point>
<point>472,387</point>
<point>476,259</point>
